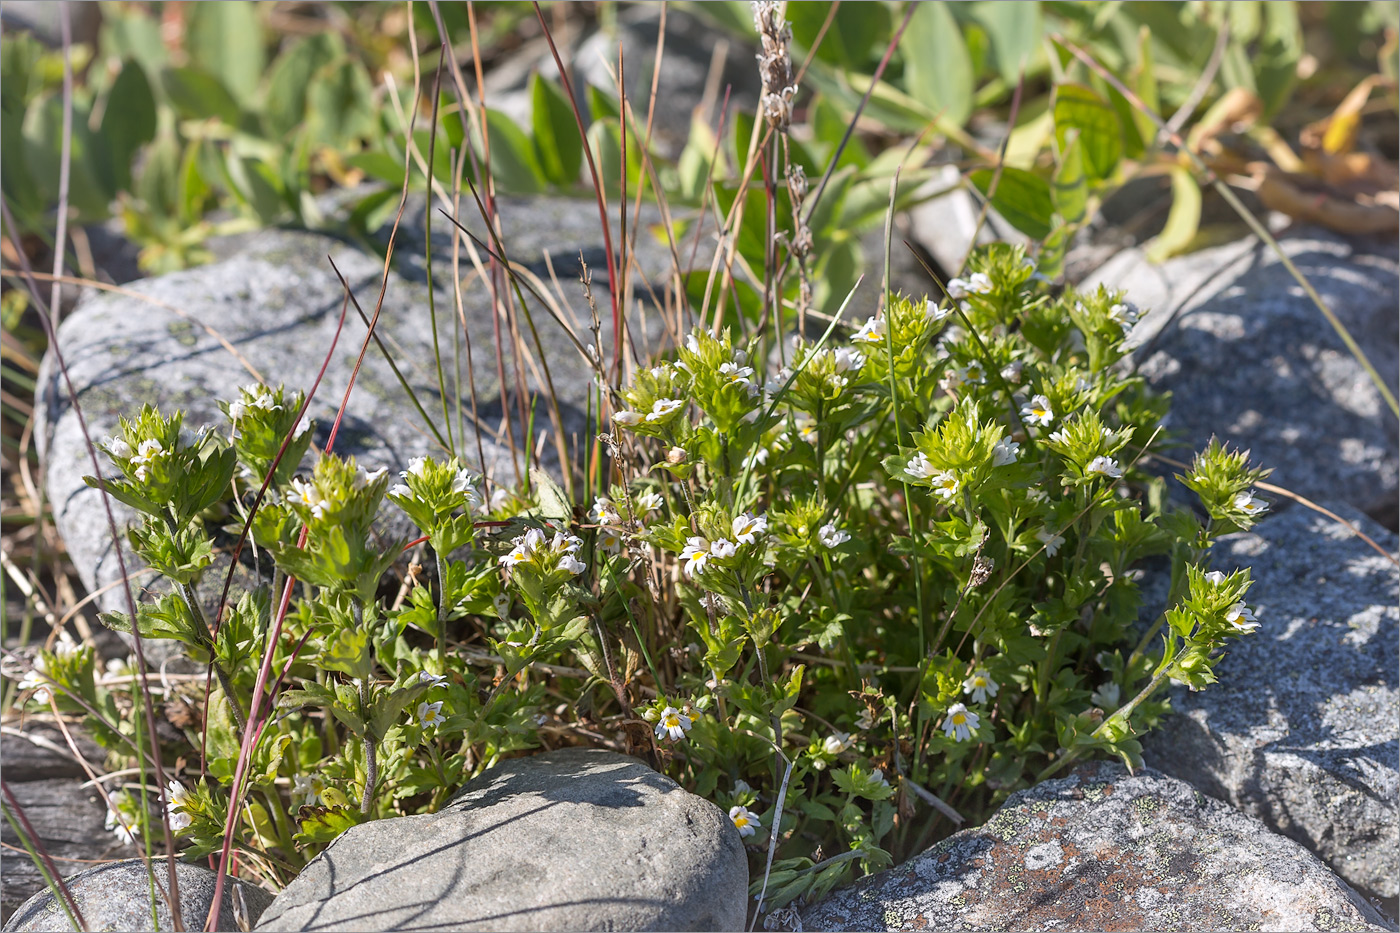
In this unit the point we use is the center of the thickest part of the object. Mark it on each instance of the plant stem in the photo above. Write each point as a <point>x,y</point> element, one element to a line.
<point>371,762</point>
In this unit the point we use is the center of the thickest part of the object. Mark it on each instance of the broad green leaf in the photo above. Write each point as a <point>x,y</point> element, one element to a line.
<point>513,163</point>
<point>1071,189</point>
<point>198,95</point>
<point>937,67</point>
<point>604,136</point>
<point>1276,59</point>
<point>226,40</point>
<point>550,497</point>
<point>1016,31</point>
<point>43,145</point>
<point>128,123</point>
<point>1022,198</point>
<point>1146,89</point>
<point>1100,134</point>
<point>130,33</point>
<point>849,41</point>
<point>339,105</point>
<point>1184,219</point>
<point>557,142</point>
<point>292,77</point>
<point>323,824</point>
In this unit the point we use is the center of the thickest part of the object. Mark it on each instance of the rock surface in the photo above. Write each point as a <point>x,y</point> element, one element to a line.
<point>1302,729</point>
<point>577,839</point>
<point>116,896</point>
<point>272,307</point>
<point>1103,850</point>
<point>1249,357</point>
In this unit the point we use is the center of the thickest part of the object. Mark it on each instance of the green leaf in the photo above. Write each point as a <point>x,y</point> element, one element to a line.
<point>1276,60</point>
<point>1184,219</point>
<point>1016,31</point>
<point>1022,198</point>
<point>339,105</point>
<point>553,502</point>
<point>937,68</point>
<point>292,77</point>
<point>606,139</point>
<point>849,40</point>
<point>128,123</point>
<point>349,653</point>
<point>557,141</point>
<point>1146,89</point>
<point>198,95</point>
<point>513,162</point>
<point>1071,189</point>
<point>323,824</point>
<point>1100,133</point>
<point>226,40</point>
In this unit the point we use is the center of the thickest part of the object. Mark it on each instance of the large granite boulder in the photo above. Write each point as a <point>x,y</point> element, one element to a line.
<point>578,839</point>
<point>1103,850</point>
<point>1302,729</point>
<point>270,309</point>
<point>1249,357</point>
<point>117,896</point>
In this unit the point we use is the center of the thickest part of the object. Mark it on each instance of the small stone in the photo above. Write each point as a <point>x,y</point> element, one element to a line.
<point>1104,850</point>
<point>1301,731</point>
<point>116,896</point>
<point>575,839</point>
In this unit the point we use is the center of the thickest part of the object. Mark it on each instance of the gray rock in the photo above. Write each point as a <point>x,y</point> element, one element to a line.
<point>577,839</point>
<point>1248,357</point>
<point>1103,850</point>
<point>1301,731</point>
<point>116,896</point>
<point>272,306</point>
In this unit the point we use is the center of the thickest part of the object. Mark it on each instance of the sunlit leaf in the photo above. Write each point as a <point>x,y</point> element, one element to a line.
<point>1022,198</point>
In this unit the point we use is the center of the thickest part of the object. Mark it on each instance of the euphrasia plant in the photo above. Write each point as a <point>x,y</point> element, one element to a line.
<point>854,591</point>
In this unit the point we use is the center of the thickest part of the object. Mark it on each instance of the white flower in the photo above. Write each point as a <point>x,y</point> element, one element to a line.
<point>663,407</point>
<point>836,743</point>
<point>604,512</point>
<point>1241,617</point>
<point>1215,578</point>
<point>501,602</point>
<point>118,448</point>
<point>150,449</point>
<point>865,721</point>
<point>1059,437</point>
<point>1105,466</point>
<point>1107,695</point>
<point>571,564</point>
<point>741,786</point>
<point>734,373</point>
<point>365,477</point>
<point>1037,495</point>
<point>610,540</point>
<point>918,466</point>
<point>1005,452</point>
<point>307,494</point>
<point>1247,503</point>
<point>648,501</point>
<point>872,331</point>
<point>945,484</point>
<point>695,553</point>
<point>176,796</point>
<point>236,410</point>
<point>848,359</point>
<point>1125,313</point>
<point>672,725</point>
<point>744,820</point>
<point>960,722</point>
<point>465,481</point>
<point>878,776</point>
<point>431,679</point>
<point>430,714</point>
<point>1051,540</point>
<point>1011,372</point>
<point>807,431</point>
<point>399,489</point>
<point>975,284</point>
<point>627,418</point>
<point>722,548</point>
<point>957,288</point>
<point>125,829</point>
<point>980,685</point>
<point>831,536</point>
<point>416,466</point>
<point>934,312</point>
<point>1038,411</point>
<point>748,527</point>
<point>307,790</point>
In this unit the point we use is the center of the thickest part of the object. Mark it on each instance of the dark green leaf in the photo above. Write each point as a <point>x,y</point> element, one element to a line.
<point>339,109</point>
<point>937,68</point>
<point>850,40</point>
<point>128,123</point>
<point>1022,198</point>
<point>557,141</point>
<point>1016,32</point>
<point>513,162</point>
<point>292,76</point>
<point>1100,132</point>
<point>198,95</point>
<point>1071,189</point>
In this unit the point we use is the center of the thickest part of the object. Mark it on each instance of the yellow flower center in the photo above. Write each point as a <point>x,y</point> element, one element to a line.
<point>672,722</point>
<point>1039,412</point>
<point>959,719</point>
<point>741,821</point>
<point>979,682</point>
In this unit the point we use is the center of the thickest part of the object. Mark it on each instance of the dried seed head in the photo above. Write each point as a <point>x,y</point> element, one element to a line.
<point>774,64</point>
<point>981,570</point>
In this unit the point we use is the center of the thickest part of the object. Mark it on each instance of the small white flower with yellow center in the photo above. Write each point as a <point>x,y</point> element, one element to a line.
<point>307,790</point>
<point>1246,502</point>
<point>807,431</point>
<point>1051,540</point>
<point>604,512</point>
<point>663,407</point>
<point>307,494</point>
<point>744,820</point>
<point>627,418</point>
<point>934,312</point>
<point>872,331</point>
<point>749,527</point>
<point>571,564</point>
<point>695,553</point>
<point>648,501</point>
<point>918,466</point>
<point>1241,617</point>
<point>501,603</point>
<point>1038,411</point>
<point>176,798</point>
<point>830,536</point>
<point>848,359</point>
<point>672,725</point>
<point>1104,466</point>
<point>836,743</point>
<point>431,679</point>
<point>960,722</point>
<point>945,484</point>
<point>430,714</point>
<point>122,826</point>
<point>980,685</point>
<point>1006,452</point>
<point>722,548</point>
<point>610,540</point>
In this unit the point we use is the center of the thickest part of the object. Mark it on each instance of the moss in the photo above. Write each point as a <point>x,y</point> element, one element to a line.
<point>183,332</point>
